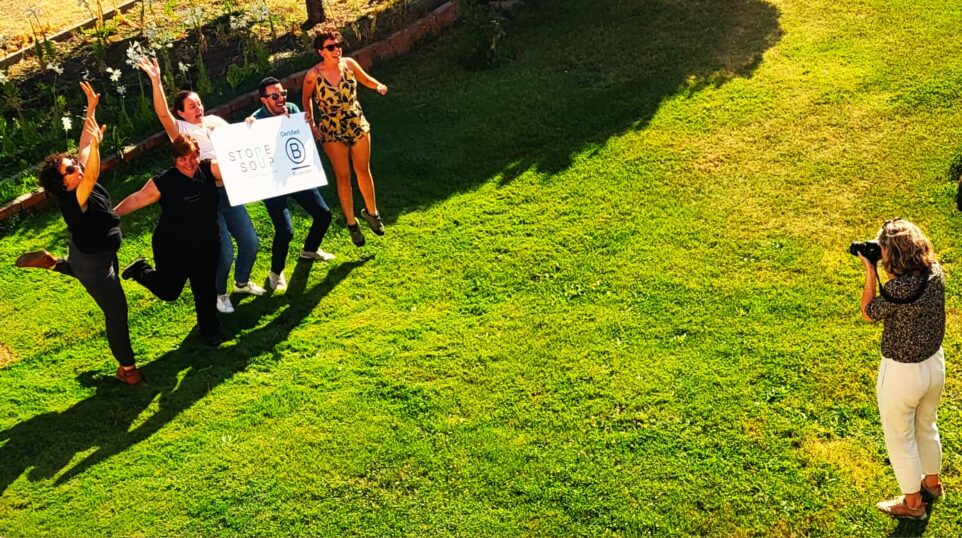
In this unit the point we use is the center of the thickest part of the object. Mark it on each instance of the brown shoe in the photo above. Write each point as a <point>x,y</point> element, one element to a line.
<point>129,377</point>
<point>932,494</point>
<point>897,508</point>
<point>40,259</point>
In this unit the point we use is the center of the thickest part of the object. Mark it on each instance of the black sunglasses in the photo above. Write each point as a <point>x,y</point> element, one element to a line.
<point>72,167</point>
<point>276,96</point>
<point>331,48</point>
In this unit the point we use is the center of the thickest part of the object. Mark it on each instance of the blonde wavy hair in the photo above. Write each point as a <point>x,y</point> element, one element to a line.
<point>907,247</point>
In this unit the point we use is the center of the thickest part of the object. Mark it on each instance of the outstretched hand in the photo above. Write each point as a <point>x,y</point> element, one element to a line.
<point>381,89</point>
<point>151,67</point>
<point>95,131</point>
<point>93,98</point>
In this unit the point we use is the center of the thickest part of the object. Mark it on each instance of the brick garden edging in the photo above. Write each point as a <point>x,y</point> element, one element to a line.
<point>394,45</point>
<point>63,35</point>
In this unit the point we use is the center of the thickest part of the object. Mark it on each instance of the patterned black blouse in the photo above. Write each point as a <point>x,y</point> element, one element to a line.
<point>912,332</point>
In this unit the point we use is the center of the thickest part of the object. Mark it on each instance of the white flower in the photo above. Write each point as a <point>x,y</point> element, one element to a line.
<point>114,74</point>
<point>261,12</point>
<point>237,23</point>
<point>56,68</point>
<point>155,39</point>
<point>195,16</point>
<point>150,31</point>
<point>3,78</point>
<point>86,74</point>
<point>67,122</point>
<point>121,90</point>
<point>135,53</point>
<point>182,67</point>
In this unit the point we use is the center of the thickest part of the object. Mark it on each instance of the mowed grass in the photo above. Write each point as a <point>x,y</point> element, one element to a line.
<point>614,298</point>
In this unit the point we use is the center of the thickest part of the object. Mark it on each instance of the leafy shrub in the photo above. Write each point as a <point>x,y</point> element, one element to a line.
<point>487,28</point>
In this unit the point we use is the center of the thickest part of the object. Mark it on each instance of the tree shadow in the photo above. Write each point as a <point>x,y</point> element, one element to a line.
<point>581,76</point>
<point>109,421</point>
<point>585,74</point>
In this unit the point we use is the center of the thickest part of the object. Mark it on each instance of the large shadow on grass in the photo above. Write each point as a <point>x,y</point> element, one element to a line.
<point>583,73</point>
<point>117,417</point>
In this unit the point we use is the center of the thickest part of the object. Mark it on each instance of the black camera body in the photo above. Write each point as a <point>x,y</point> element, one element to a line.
<point>869,249</point>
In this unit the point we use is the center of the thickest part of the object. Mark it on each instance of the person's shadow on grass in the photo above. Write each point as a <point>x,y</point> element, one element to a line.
<point>46,444</point>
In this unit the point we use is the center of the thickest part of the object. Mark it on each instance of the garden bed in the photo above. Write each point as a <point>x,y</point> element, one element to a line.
<point>220,54</point>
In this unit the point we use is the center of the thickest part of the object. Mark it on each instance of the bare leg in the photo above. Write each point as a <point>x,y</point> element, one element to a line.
<point>338,153</point>
<point>361,156</point>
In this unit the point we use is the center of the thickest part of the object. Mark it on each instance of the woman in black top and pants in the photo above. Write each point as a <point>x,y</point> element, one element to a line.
<point>94,234</point>
<point>186,240</point>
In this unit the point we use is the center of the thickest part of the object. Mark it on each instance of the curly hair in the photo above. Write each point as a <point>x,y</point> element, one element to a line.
<point>323,36</point>
<point>50,177</point>
<point>907,247</point>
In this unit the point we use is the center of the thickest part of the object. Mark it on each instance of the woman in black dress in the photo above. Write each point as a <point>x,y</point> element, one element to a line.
<point>186,241</point>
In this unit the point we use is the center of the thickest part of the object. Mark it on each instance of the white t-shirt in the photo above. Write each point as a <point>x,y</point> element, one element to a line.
<point>202,133</point>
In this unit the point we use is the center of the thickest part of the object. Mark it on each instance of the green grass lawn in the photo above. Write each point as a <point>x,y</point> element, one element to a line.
<point>614,298</point>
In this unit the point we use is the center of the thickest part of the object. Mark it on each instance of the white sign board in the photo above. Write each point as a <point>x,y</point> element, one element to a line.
<point>267,158</point>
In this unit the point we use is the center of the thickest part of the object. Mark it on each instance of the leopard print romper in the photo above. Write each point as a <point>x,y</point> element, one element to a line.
<point>341,119</point>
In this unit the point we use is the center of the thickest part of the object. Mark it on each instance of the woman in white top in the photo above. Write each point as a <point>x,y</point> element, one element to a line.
<point>233,220</point>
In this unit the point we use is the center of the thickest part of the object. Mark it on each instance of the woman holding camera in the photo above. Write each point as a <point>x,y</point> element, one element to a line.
<point>912,372</point>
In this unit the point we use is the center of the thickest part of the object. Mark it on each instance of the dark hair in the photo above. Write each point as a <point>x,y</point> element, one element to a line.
<point>179,99</point>
<point>268,81</point>
<point>183,145</point>
<point>50,177</point>
<point>321,37</point>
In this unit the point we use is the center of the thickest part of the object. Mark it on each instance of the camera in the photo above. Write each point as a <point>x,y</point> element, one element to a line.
<point>869,249</point>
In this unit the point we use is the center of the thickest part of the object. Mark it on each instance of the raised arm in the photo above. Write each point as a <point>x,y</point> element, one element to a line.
<point>147,195</point>
<point>152,68</point>
<point>93,99</point>
<point>363,77</point>
<point>868,288</point>
<point>94,134</point>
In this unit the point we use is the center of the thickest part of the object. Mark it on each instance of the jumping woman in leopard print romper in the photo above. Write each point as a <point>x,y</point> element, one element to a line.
<point>341,128</point>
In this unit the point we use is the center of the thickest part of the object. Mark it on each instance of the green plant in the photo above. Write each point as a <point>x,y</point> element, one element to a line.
<point>101,32</point>
<point>204,85</point>
<point>236,74</point>
<point>43,49</point>
<point>954,172</point>
<point>488,33</point>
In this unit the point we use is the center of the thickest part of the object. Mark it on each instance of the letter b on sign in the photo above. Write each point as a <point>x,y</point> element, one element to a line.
<point>295,150</point>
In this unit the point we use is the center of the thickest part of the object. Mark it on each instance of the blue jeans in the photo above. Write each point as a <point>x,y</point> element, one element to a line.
<point>234,222</point>
<point>312,202</point>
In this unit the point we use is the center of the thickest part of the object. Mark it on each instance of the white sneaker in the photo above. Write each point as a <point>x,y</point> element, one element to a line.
<point>249,288</point>
<point>319,255</point>
<point>223,304</point>
<point>277,281</point>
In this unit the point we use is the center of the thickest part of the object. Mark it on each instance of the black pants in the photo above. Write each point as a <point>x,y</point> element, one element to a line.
<point>100,277</point>
<point>179,260</point>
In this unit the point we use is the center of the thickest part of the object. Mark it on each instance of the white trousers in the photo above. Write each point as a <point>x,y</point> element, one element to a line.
<point>908,401</point>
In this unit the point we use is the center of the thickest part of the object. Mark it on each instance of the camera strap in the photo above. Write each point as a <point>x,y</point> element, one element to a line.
<point>911,298</point>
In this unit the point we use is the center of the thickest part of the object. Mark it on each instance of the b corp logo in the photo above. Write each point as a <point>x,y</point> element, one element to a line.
<point>295,150</point>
